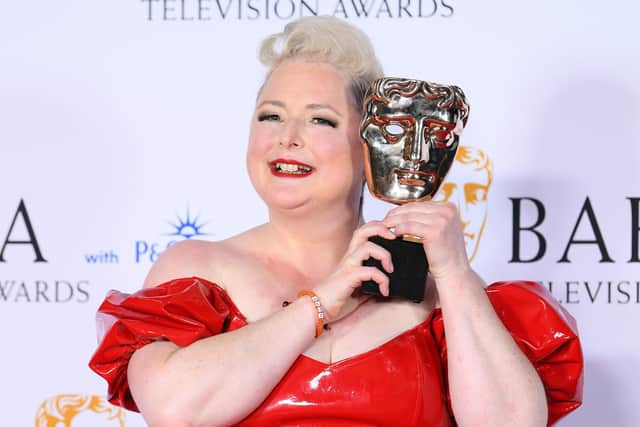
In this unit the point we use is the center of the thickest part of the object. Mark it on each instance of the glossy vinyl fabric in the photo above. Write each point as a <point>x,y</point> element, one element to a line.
<point>403,382</point>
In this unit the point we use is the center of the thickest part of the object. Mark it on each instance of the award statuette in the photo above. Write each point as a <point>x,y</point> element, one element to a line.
<point>410,132</point>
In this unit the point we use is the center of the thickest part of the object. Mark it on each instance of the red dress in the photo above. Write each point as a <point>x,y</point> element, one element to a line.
<point>403,382</point>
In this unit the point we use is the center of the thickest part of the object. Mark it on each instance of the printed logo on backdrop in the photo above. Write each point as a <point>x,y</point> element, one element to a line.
<point>468,187</point>
<point>529,245</point>
<point>251,10</point>
<point>183,227</point>
<point>21,243</point>
<point>77,410</point>
<point>25,237</point>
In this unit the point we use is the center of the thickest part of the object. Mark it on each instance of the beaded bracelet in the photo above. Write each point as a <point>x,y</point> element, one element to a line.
<point>321,324</point>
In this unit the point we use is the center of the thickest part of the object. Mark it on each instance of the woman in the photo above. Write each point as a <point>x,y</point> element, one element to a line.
<point>220,348</point>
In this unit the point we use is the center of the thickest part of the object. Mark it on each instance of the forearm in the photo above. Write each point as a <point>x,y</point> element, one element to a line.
<point>221,379</point>
<point>491,382</point>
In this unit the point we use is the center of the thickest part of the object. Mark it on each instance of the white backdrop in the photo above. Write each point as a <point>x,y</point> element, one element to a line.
<point>118,118</point>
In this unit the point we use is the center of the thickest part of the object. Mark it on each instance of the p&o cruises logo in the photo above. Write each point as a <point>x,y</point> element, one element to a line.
<point>183,228</point>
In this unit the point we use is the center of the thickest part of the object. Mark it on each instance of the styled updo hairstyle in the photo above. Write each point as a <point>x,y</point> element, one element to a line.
<point>327,40</point>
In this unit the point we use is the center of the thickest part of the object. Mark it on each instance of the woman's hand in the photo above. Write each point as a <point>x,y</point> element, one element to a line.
<point>438,225</point>
<point>336,291</point>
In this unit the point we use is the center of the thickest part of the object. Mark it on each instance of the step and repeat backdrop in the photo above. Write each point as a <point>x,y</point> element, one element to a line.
<point>123,129</point>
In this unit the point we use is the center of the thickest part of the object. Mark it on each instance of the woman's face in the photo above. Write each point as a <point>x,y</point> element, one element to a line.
<point>304,149</point>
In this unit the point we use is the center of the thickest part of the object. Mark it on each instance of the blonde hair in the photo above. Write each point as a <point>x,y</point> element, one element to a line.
<point>327,40</point>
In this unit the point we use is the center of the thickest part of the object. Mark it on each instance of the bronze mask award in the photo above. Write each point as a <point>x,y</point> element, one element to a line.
<point>410,132</point>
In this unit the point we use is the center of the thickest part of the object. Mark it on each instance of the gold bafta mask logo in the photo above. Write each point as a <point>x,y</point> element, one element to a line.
<point>468,187</point>
<point>77,410</point>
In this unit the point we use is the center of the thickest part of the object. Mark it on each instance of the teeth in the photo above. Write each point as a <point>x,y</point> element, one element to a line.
<point>292,168</point>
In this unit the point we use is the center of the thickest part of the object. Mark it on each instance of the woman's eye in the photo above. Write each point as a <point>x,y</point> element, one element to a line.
<point>268,118</point>
<point>322,121</point>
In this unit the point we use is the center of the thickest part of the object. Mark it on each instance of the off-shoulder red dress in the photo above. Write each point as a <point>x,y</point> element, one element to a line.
<point>401,383</point>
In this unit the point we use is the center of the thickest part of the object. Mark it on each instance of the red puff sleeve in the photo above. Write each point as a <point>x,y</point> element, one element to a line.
<point>545,332</point>
<point>181,311</point>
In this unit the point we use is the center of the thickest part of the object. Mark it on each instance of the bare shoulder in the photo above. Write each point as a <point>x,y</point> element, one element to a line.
<point>187,258</point>
<point>214,261</point>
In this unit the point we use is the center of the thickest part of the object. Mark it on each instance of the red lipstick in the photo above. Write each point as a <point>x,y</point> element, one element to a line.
<point>289,168</point>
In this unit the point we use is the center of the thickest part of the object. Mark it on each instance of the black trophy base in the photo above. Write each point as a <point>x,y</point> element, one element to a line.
<point>409,277</point>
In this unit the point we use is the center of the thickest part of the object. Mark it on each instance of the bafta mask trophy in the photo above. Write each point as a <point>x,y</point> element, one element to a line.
<point>410,133</point>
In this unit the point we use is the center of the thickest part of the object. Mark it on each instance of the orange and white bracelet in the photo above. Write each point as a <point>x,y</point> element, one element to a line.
<point>321,319</point>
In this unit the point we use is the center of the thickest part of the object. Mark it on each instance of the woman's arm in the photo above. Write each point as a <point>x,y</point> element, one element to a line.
<point>220,380</point>
<point>491,382</point>
<point>217,381</point>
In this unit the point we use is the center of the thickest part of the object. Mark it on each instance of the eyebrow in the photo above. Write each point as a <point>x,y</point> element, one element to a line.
<point>308,106</point>
<point>276,103</point>
<point>323,106</point>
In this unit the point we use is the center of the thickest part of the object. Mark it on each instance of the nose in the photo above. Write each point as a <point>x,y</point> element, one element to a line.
<point>290,136</point>
<point>417,150</point>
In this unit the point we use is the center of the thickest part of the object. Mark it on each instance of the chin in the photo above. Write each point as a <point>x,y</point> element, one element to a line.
<point>286,201</point>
